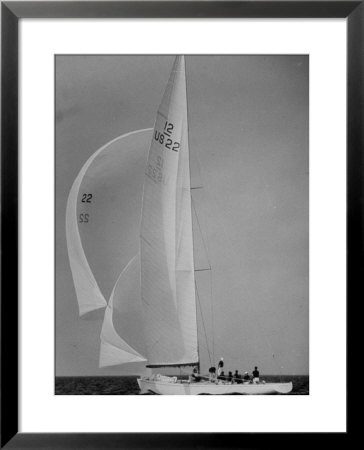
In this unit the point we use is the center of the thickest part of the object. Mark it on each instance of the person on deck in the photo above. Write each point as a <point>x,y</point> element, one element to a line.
<point>255,375</point>
<point>246,377</point>
<point>220,366</point>
<point>212,374</point>
<point>230,377</point>
<point>195,376</point>
<point>237,377</point>
<point>221,376</point>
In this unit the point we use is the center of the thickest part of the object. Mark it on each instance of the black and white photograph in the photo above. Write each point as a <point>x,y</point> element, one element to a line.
<point>181,224</point>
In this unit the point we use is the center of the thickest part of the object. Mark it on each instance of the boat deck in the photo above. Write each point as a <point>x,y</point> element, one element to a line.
<point>184,387</point>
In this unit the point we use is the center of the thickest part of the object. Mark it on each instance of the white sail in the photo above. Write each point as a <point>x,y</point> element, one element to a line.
<point>122,150</point>
<point>122,337</point>
<point>167,267</point>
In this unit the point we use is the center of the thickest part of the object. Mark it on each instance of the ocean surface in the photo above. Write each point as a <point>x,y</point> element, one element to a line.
<point>127,385</point>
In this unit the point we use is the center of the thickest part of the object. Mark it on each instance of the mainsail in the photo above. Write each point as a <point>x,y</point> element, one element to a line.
<point>167,267</point>
<point>163,297</point>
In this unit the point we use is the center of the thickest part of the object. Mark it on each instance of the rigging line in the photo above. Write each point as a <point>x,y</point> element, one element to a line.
<point>199,227</point>
<point>204,328</point>
<point>212,320</point>
<point>192,204</point>
<point>230,243</point>
<point>279,368</point>
<point>203,323</point>
<point>269,345</point>
<point>229,355</point>
<point>188,129</point>
<point>216,211</point>
<point>211,290</point>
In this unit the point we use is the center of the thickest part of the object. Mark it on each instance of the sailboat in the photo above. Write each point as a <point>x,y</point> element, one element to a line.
<point>151,316</point>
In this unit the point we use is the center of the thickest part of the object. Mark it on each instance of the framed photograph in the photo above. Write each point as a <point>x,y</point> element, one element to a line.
<point>181,213</point>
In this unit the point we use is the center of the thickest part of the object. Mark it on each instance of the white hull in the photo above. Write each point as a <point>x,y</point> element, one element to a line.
<point>185,388</point>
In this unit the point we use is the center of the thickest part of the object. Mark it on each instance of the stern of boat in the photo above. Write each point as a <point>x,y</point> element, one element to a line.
<point>284,388</point>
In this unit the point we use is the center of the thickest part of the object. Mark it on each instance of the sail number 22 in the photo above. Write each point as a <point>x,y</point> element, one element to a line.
<point>164,137</point>
<point>85,217</point>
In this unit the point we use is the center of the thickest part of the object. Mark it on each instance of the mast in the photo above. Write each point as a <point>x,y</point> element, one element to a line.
<point>203,269</point>
<point>191,189</point>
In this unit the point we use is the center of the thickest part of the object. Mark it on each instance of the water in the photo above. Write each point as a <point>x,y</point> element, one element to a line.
<point>127,385</point>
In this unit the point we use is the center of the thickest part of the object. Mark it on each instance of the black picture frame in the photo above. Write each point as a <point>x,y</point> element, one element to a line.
<point>11,12</point>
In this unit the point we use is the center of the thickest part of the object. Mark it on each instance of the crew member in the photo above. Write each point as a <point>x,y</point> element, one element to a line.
<point>220,366</point>
<point>195,376</point>
<point>255,375</point>
<point>246,377</point>
<point>221,376</point>
<point>212,374</point>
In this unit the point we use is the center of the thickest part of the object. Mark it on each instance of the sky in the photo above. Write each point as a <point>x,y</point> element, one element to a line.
<point>248,138</point>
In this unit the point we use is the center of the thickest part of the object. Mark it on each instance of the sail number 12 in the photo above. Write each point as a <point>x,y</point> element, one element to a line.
<point>164,137</point>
